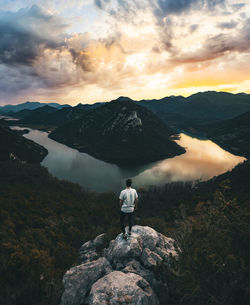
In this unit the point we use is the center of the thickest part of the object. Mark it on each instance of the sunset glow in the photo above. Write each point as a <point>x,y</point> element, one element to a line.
<point>97,50</point>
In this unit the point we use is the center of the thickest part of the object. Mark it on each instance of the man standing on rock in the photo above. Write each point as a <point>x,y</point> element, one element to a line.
<point>128,202</point>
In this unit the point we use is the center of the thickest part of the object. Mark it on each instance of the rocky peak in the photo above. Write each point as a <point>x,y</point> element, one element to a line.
<point>126,119</point>
<point>123,273</point>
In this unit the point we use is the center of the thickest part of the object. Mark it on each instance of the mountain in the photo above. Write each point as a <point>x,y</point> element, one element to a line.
<point>50,116</point>
<point>120,132</point>
<point>13,146</point>
<point>125,269</point>
<point>66,115</point>
<point>233,134</point>
<point>198,109</point>
<point>177,112</point>
<point>36,116</point>
<point>30,106</point>
<point>21,113</point>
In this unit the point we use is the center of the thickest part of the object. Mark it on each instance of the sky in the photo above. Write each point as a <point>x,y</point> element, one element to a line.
<point>72,51</point>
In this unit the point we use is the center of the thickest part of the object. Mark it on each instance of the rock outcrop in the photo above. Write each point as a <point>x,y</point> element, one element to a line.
<point>120,274</point>
<point>122,288</point>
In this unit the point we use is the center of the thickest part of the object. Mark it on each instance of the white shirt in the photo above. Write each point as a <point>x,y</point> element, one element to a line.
<point>128,197</point>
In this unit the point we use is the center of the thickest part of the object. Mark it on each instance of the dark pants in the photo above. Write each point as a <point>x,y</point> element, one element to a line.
<point>130,220</point>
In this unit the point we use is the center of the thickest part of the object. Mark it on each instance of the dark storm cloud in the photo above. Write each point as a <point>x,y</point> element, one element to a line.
<point>25,36</point>
<point>18,46</point>
<point>21,40</point>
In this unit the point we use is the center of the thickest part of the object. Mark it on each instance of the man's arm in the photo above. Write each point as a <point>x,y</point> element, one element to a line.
<point>136,200</point>
<point>121,201</point>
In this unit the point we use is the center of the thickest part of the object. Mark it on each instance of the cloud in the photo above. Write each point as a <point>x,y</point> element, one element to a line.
<point>160,8</point>
<point>227,25</point>
<point>218,46</point>
<point>193,28</point>
<point>101,3</point>
<point>166,7</point>
<point>145,46</point>
<point>25,34</point>
<point>238,6</point>
<point>17,80</point>
<point>162,14</point>
<point>31,42</point>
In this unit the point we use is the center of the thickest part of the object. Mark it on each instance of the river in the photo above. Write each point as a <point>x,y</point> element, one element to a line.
<point>202,161</point>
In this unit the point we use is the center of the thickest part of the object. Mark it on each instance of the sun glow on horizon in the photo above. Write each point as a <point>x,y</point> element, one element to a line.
<point>99,51</point>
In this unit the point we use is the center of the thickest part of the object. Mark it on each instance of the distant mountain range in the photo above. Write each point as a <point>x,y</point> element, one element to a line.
<point>120,132</point>
<point>29,106</point>
<point>217,115</point>
<point>177,112</point>
<point>51,116</point>
<point>198,109</point>
<point>61,116</point>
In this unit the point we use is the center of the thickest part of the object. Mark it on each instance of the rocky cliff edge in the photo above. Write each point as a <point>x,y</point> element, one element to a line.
<point>120,274</point>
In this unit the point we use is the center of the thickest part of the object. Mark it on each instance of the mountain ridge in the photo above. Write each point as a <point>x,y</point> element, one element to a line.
<point>120,132</point>
<point>29,105</point>
<point>178,112</point>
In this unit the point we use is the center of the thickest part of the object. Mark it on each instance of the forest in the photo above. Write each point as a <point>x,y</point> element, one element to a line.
<point>44,221</point>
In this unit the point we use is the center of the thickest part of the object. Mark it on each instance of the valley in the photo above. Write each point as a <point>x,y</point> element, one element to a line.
<point>45,220</point>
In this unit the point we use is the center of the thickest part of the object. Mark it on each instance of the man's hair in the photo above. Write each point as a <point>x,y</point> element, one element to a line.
<point>128,182</point>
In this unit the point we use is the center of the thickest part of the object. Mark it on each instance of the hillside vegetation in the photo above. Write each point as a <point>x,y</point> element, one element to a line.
<point>14,146</point>
<point>44,221</point>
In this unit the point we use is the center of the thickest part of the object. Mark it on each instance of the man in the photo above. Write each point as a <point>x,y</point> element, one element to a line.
<point>128,203</point>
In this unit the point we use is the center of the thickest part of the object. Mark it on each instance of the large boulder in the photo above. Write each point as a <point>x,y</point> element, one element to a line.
<point>124,275</point>
<point>89,250</point>
<point>149,236</point>
<point>121,250</point>
<point>136,267</point>
<point>78,280</point>
<point>122,288</point>
<point>145,244</point>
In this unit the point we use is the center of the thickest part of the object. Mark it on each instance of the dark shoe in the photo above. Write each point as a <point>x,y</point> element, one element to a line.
<point>129,233</point>
<point>124,236</point>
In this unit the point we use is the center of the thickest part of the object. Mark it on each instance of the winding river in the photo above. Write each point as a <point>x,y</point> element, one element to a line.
<point>202,161</point>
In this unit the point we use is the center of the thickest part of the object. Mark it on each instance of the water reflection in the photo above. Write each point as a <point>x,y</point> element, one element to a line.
<point>7,118</point>
<point>202,161</point>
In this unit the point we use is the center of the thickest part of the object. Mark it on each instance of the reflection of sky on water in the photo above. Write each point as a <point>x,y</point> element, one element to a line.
<point>6,118</point>
<point>203,160</point>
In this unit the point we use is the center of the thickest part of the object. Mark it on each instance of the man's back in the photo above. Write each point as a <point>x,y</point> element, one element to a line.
<point>128,197</point>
